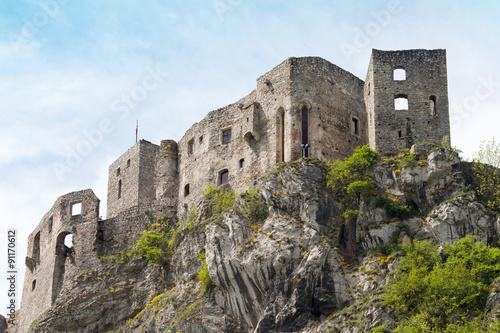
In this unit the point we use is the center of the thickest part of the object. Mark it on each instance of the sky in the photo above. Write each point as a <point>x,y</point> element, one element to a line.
<point>75,76</point>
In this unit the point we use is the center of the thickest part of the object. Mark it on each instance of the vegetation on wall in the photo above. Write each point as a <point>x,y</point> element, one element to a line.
<point>443,292</point>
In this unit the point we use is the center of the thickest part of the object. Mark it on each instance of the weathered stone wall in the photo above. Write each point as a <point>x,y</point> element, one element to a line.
<point>131,178</point>
<point>426,90</point>
<point>167,178</point>
<point>49,261</point>
<point>267,127</point>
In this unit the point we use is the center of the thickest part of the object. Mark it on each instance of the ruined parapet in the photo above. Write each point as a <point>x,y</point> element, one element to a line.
<point>72,218</point>
<point>167,177</point>
<point>406,97</point>
<point>131,178</point>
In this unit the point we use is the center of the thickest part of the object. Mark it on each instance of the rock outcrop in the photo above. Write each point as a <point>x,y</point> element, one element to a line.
<point>284,272</point>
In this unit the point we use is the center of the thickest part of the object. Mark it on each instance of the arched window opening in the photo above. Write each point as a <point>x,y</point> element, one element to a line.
<point>242,163</point>
<point>64,250</point>
<point>190,147</point>
<point>33,285</point>
<point>119,189</point>
<point>280,136</point>
<point>36,247</point>
<point>305,132</point>
<point>51,223</point>
<point>186,190</point>
<point>399,74</point>
<point>401,102</point>
<point>432,105</point>
<point>223,177</point>
<point>68,241</point>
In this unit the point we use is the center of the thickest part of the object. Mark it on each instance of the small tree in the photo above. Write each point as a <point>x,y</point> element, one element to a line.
<point>486,169</point>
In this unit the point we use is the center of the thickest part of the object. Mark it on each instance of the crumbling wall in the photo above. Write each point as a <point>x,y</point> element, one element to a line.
<point>50,261</point>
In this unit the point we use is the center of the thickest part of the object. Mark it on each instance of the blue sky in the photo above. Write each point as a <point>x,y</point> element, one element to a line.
<point>75,76</point>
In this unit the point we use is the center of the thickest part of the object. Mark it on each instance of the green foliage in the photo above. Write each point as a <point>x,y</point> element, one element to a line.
<point>409,160</point>
<point>203,275</point>
<point>433,293</point>
<point>352,178</point>
<point>220,198</point>
<point>256,207</point>
<point>152,245</point>
<point>487,173</point>
<point>395,210</point>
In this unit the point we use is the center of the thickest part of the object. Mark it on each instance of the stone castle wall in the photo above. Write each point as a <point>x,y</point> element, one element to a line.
<point>301,101</point>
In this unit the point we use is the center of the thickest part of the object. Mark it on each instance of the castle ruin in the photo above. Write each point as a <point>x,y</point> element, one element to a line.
<point>304,107</point>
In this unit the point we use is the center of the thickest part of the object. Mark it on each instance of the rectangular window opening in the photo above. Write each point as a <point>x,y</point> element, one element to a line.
<point>190,147</point>
<point>76,209</point>
<point>33,285</point>
<point>226,136</point>
<point>128,163</point>
<point>118,171</point>
<point>355,129</point>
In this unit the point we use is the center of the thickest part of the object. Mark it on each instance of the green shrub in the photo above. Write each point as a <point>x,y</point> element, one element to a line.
<point>203,275</point>
<point>395,210</point>
<point>220,198</point>
<point>152,246</point>
<point>256,207</point>
<point>432,292</point>
<point>352,178</point>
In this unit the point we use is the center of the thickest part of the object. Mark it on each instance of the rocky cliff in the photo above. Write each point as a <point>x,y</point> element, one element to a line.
<point>279,258</point>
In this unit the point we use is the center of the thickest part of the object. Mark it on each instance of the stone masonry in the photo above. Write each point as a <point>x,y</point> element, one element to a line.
<point>302,107</point>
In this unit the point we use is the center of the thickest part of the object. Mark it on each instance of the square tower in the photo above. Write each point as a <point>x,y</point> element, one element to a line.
<point>406,99</point>
<point>131,178</point>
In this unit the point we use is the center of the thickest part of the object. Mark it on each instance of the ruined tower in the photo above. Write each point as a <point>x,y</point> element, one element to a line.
<point>131,178</point>
<point>406,99</point>
<point>50,262</point>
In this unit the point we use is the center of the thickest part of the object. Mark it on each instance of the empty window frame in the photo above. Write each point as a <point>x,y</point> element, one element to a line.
<point>401,102</point>
<point>51,223</point>
<point>186,190</point>
<point>305,132</point>
<point>76,208</point>
<point>119,189</point>
<point>128,163</point>
<point>190,147</point>
<point>432,105</point>
<point>355,126</point>
<point>226,135</point>
<point>36,247</point>
<point>399,74</point>
<point>223,177</point>
<point>242,163</point>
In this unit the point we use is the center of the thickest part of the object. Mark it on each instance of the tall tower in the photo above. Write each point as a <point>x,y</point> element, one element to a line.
<point>406,99</point>
<point>131,178</point>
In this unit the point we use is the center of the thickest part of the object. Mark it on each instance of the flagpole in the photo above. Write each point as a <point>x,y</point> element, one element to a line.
<point>136,129</point>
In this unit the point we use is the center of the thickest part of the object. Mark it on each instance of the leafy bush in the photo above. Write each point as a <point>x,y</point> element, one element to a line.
<point>352,178</point>
<point>152,245</point>
<point>203,275</point>
<point>220,198</point>
<point>395,210</point>
<point>433,291</point>
<point>256,207</point>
